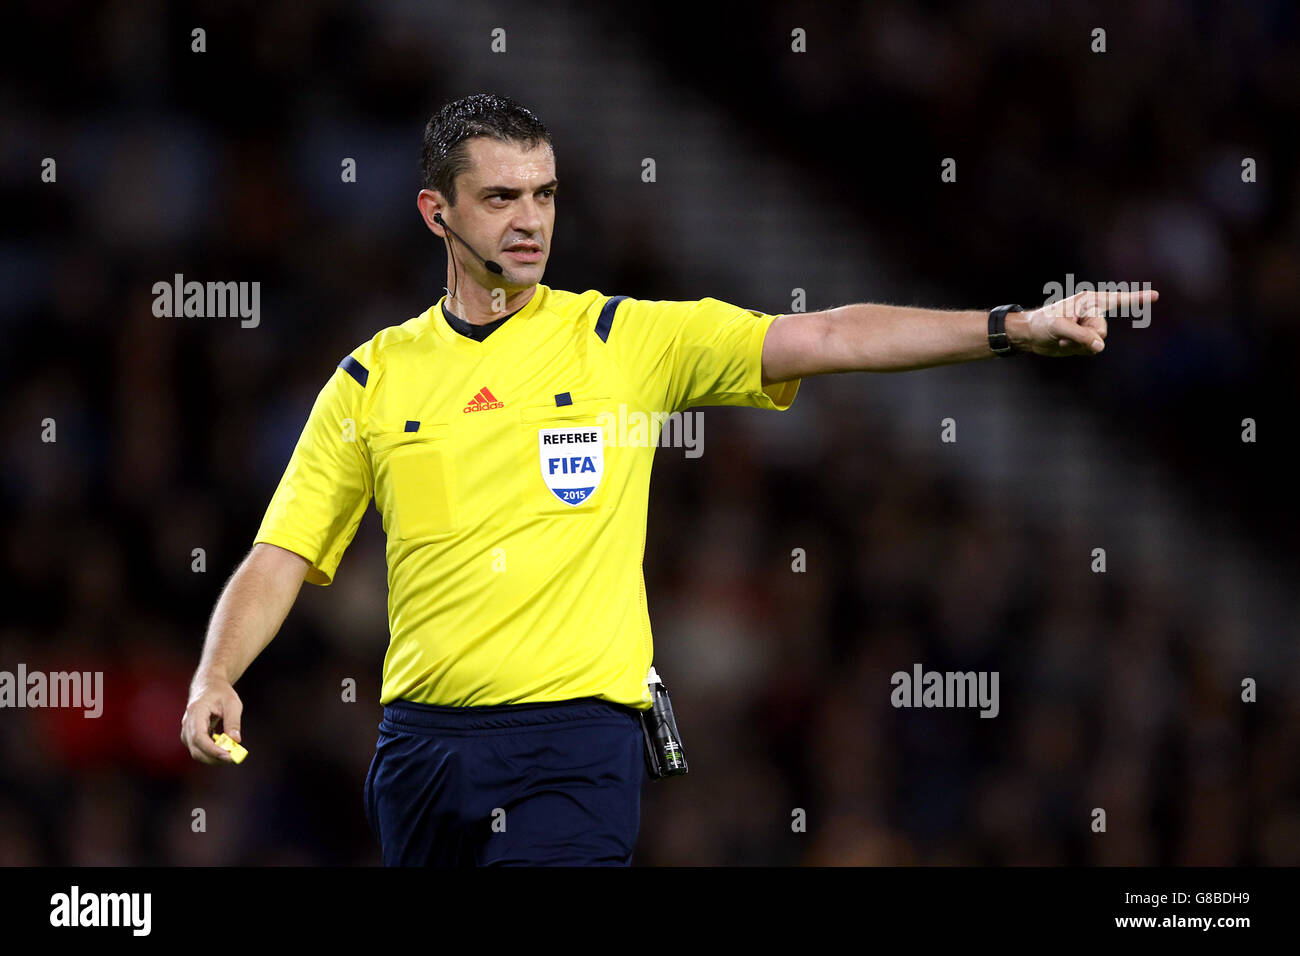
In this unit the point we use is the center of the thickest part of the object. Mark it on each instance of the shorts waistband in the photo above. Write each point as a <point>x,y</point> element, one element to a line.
<point>407,713</point>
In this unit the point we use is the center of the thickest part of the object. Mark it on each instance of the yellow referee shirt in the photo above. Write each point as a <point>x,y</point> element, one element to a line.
<point>513,500</point>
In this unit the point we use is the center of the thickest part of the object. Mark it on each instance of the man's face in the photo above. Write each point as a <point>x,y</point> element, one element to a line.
<point>505,207</point>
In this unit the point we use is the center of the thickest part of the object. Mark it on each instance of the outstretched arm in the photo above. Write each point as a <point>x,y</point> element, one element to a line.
<point>887,338</point>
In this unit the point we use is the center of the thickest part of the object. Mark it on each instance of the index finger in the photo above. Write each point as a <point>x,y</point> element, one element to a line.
<point>201,740</point>
<point>1114,300</point>
<point>206,752</point>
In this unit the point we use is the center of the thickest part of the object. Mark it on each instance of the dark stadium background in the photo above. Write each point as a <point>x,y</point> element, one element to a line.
<point>1118,690</point>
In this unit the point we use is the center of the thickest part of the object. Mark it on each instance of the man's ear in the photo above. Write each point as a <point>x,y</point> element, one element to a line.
<point>429,202</point>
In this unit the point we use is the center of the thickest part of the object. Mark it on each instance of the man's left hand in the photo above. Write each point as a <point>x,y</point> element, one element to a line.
<point>1073,326</point>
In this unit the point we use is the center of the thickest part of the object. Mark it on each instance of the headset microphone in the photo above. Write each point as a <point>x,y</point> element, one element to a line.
<point>489,264</point>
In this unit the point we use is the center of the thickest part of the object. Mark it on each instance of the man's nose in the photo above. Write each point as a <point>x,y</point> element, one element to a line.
<point>528,217</point>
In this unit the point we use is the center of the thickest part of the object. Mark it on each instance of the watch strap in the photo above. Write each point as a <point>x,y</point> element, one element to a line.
<point>999,341</point>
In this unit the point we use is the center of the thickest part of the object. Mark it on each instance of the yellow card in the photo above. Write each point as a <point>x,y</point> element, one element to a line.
<point>237,753</point>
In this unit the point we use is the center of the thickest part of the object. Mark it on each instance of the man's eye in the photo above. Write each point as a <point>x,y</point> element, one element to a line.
<point>548,193</point>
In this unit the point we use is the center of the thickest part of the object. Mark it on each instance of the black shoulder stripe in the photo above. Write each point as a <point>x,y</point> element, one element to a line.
<point>607,317</point>
<point>355,369</point>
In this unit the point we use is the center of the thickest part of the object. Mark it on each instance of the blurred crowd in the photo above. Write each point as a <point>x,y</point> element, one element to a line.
<point>1118,692</point>
<point>1123,165</point>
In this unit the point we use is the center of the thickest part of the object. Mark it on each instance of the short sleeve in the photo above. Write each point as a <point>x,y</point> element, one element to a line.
<point>703,352</point>
<point>327,484</point>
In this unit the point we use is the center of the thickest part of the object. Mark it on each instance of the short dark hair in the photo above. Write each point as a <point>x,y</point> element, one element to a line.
<point>445,155</point>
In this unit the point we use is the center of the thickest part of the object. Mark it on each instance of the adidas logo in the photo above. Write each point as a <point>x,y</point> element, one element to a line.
<point>483,401</point>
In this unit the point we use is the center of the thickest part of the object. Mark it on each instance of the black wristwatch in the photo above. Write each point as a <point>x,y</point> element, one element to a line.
<point>999,341</point>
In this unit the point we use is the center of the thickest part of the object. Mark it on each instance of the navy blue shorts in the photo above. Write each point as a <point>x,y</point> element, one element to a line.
<point>554,784</point>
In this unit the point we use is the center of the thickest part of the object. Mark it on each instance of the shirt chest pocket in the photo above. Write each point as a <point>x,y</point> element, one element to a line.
<point>565,461</point>
<point>415,486</point>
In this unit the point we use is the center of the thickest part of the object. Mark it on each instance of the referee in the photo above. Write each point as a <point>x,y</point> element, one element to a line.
<point>520,642</point>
